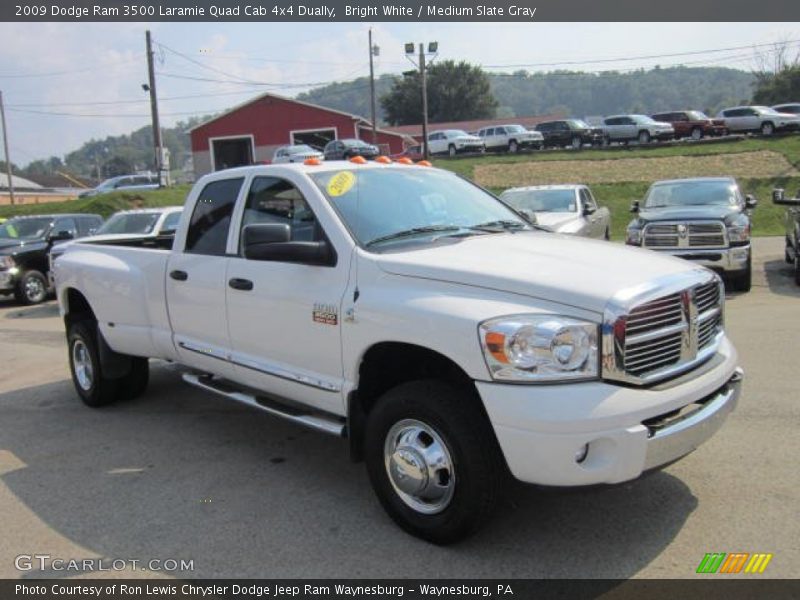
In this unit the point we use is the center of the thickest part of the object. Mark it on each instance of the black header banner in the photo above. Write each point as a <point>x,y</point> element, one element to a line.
<point>523,11</point>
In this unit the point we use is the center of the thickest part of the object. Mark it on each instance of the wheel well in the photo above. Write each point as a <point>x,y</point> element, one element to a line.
<point>77,307</point>
<point>387,365</point>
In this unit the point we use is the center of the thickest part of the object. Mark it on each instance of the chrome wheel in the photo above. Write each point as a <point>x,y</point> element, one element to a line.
<point>419,466</point>
<point>767,129</point>
<point>697,133</point>
<point>82,364</point>
<point>34,289</point>
<point>512,146</point>
<point>644,137</point>
<point>576,143</point>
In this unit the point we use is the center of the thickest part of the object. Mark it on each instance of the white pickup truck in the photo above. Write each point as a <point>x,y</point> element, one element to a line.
<point>408,310</point>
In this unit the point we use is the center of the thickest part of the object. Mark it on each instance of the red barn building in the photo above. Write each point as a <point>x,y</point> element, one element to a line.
<point>250,132</point>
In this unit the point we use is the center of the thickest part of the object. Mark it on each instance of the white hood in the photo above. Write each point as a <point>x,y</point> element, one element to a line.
<point>554,220</point>
<point>561,269</point>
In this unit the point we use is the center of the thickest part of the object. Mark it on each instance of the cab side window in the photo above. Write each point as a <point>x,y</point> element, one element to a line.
<point>66,224</point>
<point>211,219</point>
<point>275,200</point>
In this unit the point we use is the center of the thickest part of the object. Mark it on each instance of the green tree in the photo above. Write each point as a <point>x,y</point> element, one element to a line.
<point>456,92</point>
<point>778,87</point>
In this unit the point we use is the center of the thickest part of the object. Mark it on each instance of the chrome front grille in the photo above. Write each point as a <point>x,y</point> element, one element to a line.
<point>699,234</point>
<point>659,333</point>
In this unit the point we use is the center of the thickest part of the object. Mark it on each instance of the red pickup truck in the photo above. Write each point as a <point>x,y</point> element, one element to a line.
<point>692,123</point>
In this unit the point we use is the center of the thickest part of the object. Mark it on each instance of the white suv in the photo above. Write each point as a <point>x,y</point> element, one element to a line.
<point>454,141</point>
<point>761,119</point>
<point>510,137</point>
<point>639,128</point>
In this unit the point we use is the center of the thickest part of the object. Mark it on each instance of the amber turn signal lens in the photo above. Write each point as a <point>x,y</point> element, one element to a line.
<point>312,162</point>
<point>424,163</point>
<point>405,161</point>
<point>495,344</point>
<point>359,160</point>
<point>384,160</point>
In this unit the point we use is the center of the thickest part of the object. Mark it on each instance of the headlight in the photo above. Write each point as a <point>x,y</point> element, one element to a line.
<point>739,233</point>
<point>6,262</point>
<point>633,236</point>
<point>539,348</point>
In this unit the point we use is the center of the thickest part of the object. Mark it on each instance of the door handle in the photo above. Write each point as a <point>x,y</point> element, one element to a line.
<point>179,275</point>
<point>241,284</point>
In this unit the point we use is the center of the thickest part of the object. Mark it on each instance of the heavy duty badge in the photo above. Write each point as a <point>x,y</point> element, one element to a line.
<point>327,314</point>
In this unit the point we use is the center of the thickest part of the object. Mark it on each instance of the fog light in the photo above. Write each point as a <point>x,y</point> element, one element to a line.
<point>580,455</point>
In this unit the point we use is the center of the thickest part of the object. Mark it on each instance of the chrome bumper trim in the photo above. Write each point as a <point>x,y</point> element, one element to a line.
<point>685,435</point>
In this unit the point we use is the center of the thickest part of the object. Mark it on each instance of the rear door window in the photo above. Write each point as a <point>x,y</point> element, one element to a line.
<point>211,219</point>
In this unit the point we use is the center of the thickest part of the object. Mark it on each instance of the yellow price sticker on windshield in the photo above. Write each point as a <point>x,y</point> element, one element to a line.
<point>341,183</point>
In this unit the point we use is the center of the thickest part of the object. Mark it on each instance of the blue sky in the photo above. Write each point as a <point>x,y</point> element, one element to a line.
<point>74,68</point>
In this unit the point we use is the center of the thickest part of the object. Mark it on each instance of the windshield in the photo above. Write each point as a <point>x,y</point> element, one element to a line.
<point>579,124</point>
<point>643,119</point>
<point>561,200</point>
<point>108,184</point>
<point>377,204</point>
<point>696,115</point>
<point>25,229</point>
<point>129,223</point>
<point>696,193</point>
<point>456,133</point>
<point>355,143</point>
<point>299,149</point>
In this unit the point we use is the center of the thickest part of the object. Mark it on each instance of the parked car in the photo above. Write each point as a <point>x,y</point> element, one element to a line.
<point>692,124</point>
<point>124,182</point>
<point>635,128</point>
<point>570,133</point>
<point>348,148</point>
<point>568,209</point>
<point>154,225</point>
<point>24,244</point>
<point>422,319</point>
<point>705,220</point>
<point>758,119</point>
<point>412,152</point>
<point>793,108</point>
<point>792,218</point>
<point>295,153</point>
<point>454,141</point>
<point>510,138</point>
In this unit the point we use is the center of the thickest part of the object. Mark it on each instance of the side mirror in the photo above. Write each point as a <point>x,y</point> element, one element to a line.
<point>60,236</point>
<point>750,201</point>
<point>635,206</point>
<point>528,215</point>
<point>271,241</point>
<point>588,210</point>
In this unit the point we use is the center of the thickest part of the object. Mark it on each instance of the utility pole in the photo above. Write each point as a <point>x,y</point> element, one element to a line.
<point>373,51</point>
<point>425,153</point>
<point>151,87</point>
<point>5,147</point>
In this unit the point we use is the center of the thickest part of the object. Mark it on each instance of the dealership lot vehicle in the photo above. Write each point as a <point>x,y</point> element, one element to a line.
<point>792,253</point>
<point>570,133</point>
<point>141,182</point>
<point>510,138</point>
<point>692,124</point>
<point>790,108</point>
<point>568,209</point>
<point>454,141</point>
<point>291,289</point>
<point>348,148</point>
<point>24,246</point>
<point>704,220</point>
<point>758,119</point>
<point>635,128</point>
<point>296,153</point>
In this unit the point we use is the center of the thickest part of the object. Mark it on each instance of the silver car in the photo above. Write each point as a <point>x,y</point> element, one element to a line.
<point>295,153</point>
<point>635,128</point>
<point>568,209</point>
<point>758,119</point>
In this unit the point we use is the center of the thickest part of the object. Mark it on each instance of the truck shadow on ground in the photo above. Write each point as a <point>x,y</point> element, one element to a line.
<point>46,310</point>
<point>182,474</point>
<point>780,278</point>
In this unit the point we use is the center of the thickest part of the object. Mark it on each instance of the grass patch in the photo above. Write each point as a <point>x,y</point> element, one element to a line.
<point>104,204</point>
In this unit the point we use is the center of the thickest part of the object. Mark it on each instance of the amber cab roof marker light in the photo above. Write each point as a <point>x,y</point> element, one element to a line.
<point>312,162</point>
<point>359,160</point>
<point>424,163</point>
<point>405,161</point>
<point>384,160</point>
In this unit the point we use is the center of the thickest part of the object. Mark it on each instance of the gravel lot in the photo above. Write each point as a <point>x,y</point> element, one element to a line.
<point>180,474</point>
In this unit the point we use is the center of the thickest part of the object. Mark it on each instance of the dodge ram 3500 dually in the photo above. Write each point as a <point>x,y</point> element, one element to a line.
<point>410,311</point>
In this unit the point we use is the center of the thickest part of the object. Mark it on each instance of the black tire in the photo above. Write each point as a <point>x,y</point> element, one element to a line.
<point>451,150</point>
<point>797,267</point>
<point>697,133</point>
<point>478,468</point>
<point>767,128</point>
<point>787,256</point>
<point>607,235</point>
<point>31,288</point>
<point>135,382</point>
<point>744,281</point>
<point>96,390</point>
<point>644,137</point>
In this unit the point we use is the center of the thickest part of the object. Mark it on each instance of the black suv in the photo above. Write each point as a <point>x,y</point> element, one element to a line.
<point>792,229</point>
<point>348,148</point>
<point>705,220</point>
<point>570,133</point>
<point>24,244</point>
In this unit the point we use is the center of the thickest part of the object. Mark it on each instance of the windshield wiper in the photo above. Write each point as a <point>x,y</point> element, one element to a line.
<point>412,232</point>
<point>504,225</point>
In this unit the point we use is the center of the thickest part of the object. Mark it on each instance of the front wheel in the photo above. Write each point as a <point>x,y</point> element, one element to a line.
<point>644,137</point>
<point>451,150</point>
<point>744,281</point>
<point>576,143</point>
<point>797,267</point>
<point>767,128</point>
<point>32,288</point>
<point>697,133</point>
<point>513,147</point>
<point>433,460</point>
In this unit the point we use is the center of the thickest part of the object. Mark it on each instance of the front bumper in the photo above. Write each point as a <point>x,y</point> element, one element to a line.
<point>462,148</point>
<point>724,260</point>
<point>543,429</point>
<point>663,135</point>
<point>8,280</point>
